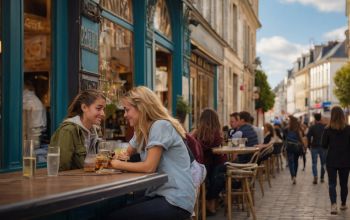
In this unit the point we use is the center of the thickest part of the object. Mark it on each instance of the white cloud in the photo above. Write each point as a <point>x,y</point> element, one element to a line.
<point>337,34</point>
<point>322,5</point>
<point>277,55</point>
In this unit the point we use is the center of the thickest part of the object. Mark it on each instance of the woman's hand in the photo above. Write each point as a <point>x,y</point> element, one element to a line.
<point>115,163</point>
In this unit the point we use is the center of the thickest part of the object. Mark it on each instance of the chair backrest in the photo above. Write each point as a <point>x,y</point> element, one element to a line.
<point>255,157</point>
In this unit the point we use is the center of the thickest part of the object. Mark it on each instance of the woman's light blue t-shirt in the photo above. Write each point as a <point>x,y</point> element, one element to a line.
<point>175,161</point>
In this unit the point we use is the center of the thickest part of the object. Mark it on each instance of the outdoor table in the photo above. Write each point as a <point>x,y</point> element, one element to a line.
<point>234,150</point>
<point>23,197</point>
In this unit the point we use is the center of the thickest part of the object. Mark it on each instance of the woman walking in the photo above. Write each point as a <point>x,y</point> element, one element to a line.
<point>336,138</point>
<point>294,146</point>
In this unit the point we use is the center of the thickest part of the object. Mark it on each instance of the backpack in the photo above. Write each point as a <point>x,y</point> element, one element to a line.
<point>198,170</point>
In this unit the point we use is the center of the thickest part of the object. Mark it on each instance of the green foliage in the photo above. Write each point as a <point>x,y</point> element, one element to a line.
<point>110,109</point>
<point>342,85</point>
<point>182,109</point>
<point>182,106</point>
<point>266,99</point>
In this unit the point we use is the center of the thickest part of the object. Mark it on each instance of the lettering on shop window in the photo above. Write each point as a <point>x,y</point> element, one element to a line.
<point>89,39</point>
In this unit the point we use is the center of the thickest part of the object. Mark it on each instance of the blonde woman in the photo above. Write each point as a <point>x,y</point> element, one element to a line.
<point>336,138</point>
<point>158,138</point>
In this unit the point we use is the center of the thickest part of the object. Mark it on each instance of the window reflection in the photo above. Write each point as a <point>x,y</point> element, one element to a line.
<point>162,19</point>
<point>37,71</point>
<point>116,73</point>
<point>163,76</point>
<point>121,8</point>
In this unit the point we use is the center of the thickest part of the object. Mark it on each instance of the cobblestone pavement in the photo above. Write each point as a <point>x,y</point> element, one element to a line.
<point>286,201</point>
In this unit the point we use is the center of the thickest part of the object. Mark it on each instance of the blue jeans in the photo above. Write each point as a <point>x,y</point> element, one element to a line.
<point>293,163</point>
<point>318,151</point>
<point>332,183</point>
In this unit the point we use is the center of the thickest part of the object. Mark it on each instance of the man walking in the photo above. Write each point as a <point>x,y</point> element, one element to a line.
<point>314,137</point>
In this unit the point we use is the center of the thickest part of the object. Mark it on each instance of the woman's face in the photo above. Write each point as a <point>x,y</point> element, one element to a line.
<point>131,114</point>
<point>94,113</point>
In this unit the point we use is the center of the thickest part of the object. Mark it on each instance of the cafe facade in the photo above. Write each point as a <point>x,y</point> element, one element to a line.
<point>55,48</point>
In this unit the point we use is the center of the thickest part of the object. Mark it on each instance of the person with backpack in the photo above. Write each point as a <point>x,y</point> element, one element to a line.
<point>314,136</point>
<point>208,134</point>
<point>294,146</point>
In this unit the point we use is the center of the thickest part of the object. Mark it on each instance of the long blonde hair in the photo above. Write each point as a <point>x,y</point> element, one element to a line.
<point>150,110</point>
<point>337,121</point>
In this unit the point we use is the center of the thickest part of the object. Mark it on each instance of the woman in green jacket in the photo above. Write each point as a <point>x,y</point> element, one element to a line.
<point>80,129</point>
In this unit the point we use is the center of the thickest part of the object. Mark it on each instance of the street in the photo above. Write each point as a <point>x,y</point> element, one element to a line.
<point>287,201</point>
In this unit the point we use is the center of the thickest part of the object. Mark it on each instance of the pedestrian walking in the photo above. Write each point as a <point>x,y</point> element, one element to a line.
<point>314,136</point>
<point>294,146</point>
<point>336,138</point>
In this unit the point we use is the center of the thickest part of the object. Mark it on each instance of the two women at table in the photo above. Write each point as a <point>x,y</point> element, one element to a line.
<point>158,138</point>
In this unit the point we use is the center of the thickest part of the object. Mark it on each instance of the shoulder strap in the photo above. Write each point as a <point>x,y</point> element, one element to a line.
<point>189,151</point>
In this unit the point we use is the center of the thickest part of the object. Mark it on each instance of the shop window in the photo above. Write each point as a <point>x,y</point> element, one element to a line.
<point>163,76</point>
<point>116,74</point>
<point>37,72</point>
<point>121,8</point>
<point>162,19</point>
<point>201,86</point>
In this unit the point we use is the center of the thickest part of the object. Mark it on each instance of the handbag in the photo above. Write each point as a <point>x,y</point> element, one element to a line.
<point>294,147</point>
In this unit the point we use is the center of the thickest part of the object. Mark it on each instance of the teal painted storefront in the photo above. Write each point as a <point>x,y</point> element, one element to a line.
<point>145,38</point>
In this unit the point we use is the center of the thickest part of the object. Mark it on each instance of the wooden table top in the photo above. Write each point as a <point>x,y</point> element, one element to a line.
<point>21,196</point>
<point>234,150</point>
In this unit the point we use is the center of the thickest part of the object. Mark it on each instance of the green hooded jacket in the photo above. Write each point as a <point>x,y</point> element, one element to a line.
<point>70,138</point>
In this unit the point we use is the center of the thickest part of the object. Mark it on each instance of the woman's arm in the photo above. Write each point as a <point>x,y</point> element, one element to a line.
<point>149,165</point>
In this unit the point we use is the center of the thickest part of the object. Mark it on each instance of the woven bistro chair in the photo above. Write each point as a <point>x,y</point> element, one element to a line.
<point>245,174</point>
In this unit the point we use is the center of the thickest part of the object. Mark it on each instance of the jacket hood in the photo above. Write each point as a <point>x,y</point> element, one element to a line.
<point>76,120</point>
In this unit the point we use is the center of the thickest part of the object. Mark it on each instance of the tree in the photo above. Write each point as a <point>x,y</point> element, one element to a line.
<point>266,98</point>
<point>342,85</point>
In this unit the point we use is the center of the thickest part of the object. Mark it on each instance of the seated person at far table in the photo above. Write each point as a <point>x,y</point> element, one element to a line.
<point>245,130</point>
<point>208,134</point>
<point>269,138</point>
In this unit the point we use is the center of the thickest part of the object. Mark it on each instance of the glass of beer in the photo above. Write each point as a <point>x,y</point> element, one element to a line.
<point>53,160</point>
<point>29,158</point>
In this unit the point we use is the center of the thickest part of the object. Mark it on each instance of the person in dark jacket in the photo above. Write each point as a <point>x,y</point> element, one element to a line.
<point>209,135</point>
<point>314,136</point>
<point>336,138</point>
<point>293,140</point>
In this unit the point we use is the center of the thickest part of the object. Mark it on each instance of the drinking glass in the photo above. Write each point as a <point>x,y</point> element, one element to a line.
<point>242,142</point>
<point>29,158</point>
<point>53,160</point>
<point>103,155</point>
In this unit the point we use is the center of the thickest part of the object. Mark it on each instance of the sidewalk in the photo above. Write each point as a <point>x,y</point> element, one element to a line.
<point>286,201</point>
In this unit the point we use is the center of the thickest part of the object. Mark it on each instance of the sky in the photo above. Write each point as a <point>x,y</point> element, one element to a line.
<point>292,27</point>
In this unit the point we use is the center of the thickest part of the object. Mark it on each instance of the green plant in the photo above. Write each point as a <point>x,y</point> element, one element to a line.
<point>182,109</point>
<point>110,109</point>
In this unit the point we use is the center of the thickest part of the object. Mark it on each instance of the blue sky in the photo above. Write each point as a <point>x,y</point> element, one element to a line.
<point>292,27</point>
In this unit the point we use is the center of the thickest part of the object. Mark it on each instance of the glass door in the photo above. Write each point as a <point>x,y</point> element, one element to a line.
<point>37,72</point>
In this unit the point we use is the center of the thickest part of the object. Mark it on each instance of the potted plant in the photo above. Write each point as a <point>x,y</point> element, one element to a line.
<point>182,109</point>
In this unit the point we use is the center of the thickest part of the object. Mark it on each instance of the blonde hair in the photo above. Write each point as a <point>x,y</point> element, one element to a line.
<point>337,121</point>
<point>150,110</point>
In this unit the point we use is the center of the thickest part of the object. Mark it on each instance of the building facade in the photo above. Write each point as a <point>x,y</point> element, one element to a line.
<point>310,83</point>
<point>175,47</point>
<point>234,22</point>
